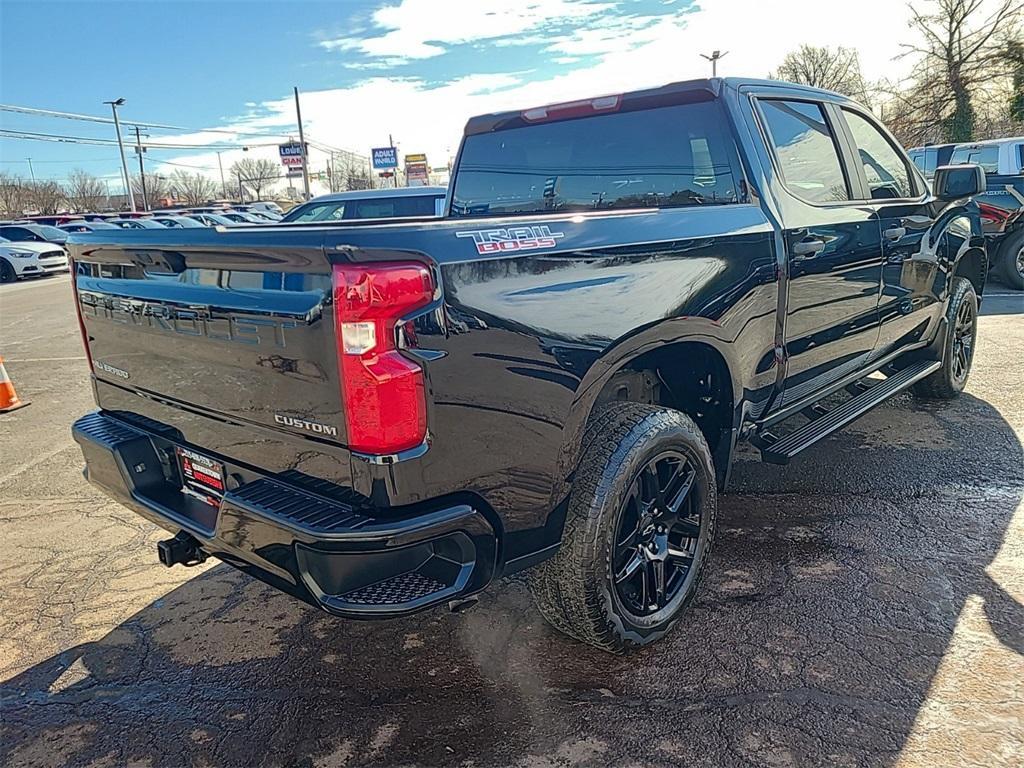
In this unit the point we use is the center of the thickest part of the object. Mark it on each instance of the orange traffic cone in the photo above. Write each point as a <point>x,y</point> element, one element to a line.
<point>9,400</point>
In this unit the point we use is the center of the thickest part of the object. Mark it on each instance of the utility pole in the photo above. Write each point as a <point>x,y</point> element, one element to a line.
<point>31,172</point>
<point>394,173</point>
<point>713,58</point>
<point>142,170</point>
<point>302,146</point>
<point>223,186</point>
<point>120,145</point>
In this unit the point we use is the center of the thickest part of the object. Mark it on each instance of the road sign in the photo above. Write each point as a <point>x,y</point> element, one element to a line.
<point>416,175</point>
<point>384,158</point>
<point>291,153</point>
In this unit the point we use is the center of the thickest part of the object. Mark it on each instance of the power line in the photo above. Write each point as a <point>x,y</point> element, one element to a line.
<point>109,121</point>
<point>68,162</point>
<point>67,139</point>
<point>183,165</point>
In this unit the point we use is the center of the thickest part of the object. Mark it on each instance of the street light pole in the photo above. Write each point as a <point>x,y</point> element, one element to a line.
<point>713,58</point>
<point>142,170</point>
<point>120,145</point>
<point>302,145</point>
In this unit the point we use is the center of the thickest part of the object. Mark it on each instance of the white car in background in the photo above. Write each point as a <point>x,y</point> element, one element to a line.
<point>25,259</point>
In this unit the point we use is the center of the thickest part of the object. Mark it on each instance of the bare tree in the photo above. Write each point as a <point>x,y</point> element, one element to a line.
<point>158,190</point>
<point>961,55</point>
<point>47,196</point>
<point>192,188</point>
<point>256,175</point>
<point>15,195</point>
<point>84,191</point>
<point>833,69</point>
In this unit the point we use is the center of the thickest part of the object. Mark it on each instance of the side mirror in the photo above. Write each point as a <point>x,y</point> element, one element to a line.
<point>956,182</point>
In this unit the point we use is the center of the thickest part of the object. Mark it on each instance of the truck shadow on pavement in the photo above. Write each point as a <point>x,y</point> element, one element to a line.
<point>827,618</point>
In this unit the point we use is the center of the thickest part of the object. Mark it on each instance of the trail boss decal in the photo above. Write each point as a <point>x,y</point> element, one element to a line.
<point>512,239</point>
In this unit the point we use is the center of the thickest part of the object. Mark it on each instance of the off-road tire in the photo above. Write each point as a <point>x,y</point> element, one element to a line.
<point>574,590</point>
<point>945,384</point>
<point>1008,261</point>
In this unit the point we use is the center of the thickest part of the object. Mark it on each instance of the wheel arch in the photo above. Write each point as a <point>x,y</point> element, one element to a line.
<point>972,263</point>
<point>675,353</point>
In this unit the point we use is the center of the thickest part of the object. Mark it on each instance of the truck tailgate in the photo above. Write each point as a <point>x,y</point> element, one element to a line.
<point>242,332</point>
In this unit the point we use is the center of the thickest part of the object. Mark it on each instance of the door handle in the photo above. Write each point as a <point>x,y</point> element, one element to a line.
<point>895,233</point>
<point>808,248</point>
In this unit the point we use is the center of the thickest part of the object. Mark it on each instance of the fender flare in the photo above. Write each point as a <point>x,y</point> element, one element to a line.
<point>619,355</point>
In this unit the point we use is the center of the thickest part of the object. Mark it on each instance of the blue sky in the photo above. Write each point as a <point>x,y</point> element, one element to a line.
<point>414,68</point>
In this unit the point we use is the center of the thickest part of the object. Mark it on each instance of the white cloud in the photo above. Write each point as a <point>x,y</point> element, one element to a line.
<point>627,53</point>
<point>420,29</point>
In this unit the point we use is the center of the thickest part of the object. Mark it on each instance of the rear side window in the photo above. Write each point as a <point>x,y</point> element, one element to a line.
<point>321,212</point>
<point>987,157</point>
<point>666,157</point>
<point>886,171</point>
<point>806,150</point>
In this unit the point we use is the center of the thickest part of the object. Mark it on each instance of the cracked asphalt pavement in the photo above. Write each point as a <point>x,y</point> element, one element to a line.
<point>865,606</point>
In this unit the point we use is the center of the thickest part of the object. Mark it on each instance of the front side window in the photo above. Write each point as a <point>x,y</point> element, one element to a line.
<point>806,150</point>
<point>664,157</point>
<point>20,233</point>
<point>926,160</point>
<point>887,174</point>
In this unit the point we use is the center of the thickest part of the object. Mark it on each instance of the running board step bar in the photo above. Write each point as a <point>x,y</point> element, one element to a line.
<point>781,450</point>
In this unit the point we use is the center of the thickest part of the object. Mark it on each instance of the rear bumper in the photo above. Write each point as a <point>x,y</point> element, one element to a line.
<point>312,540</point>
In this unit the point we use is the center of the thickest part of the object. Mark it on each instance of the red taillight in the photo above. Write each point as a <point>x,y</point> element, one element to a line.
<point>384,392</point>
<point>991,214</point>
<point>73,268</point>
<point>569,109</point>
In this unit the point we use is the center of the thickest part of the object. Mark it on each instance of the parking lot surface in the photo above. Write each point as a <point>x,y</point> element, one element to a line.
<point>865,606</point>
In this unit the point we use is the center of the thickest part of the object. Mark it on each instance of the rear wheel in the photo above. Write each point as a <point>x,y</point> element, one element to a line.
<point>638,532</point>
<point>958,352</point>
<point>7,273</point>
<point>1011,261</point>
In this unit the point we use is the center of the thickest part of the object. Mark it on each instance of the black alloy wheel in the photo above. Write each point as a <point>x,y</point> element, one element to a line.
<point>964,331</point>
<point>957,344</point>
<point>658,531</point>
<point>638,531</point>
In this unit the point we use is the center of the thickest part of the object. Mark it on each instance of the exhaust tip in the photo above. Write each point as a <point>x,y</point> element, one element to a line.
<point>462,604</point>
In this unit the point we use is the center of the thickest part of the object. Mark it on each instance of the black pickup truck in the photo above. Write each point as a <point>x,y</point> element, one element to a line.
<point>382,416</point>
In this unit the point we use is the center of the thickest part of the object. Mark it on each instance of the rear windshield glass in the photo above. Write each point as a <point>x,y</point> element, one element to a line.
<point>987,157</point>
<point>369,208</point>
<point>666,157</point>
